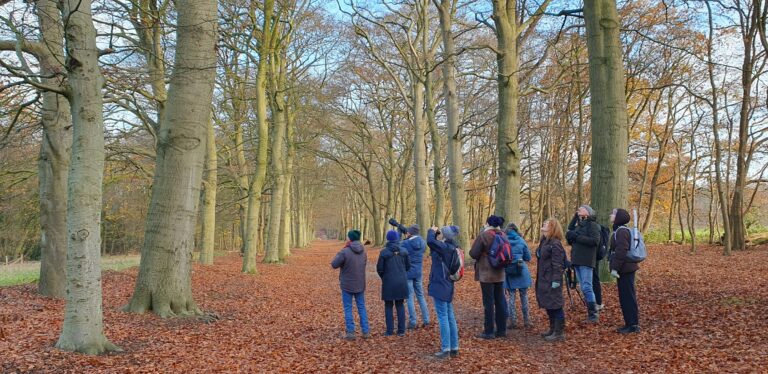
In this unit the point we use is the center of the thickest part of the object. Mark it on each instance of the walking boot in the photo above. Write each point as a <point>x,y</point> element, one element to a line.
<point>551,328</point>
<point>558,333</point>
<point>592,316</point>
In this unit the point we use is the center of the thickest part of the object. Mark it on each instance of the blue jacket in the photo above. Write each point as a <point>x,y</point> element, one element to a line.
<point>392,267</point>
<point>520,251</point>
<point>440,286</point>
<point>416,246</point>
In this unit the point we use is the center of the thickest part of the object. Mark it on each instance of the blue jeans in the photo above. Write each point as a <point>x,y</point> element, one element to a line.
<point>349,319</point>
<point>416,289</point>
<point>389,316</point>
<point>512,313</point>
<point>449,331</point>
<point>584,275</point>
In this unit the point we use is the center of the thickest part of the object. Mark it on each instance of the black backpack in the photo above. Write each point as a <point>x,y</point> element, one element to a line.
<point>602,248</point>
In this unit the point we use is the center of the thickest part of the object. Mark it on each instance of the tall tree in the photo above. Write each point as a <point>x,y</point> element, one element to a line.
<point>209,198</point>
<point>164,283</point>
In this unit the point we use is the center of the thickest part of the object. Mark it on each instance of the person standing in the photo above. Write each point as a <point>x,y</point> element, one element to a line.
<point>518,277</point>
<point>441,287</point>
<point>549,278</point>
<point>491,280</point>
<point>393,266</point>
<point>416,247</point>
<point>625,271</point>
<point>352,261</point>
<point>584,237</point>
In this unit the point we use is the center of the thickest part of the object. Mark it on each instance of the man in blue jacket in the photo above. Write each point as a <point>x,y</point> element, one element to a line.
<point>416,246</point>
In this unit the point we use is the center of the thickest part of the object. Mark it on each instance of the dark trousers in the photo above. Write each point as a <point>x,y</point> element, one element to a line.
<point>555,314</point>
<point>628,298</point>
<point>397,304</point>
<point>494,303</point>
<point>596,287</point>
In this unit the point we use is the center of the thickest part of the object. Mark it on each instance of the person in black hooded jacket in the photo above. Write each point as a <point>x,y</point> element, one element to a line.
<point>624,270</point>
<point>393,266</point>
<point>584,237</point>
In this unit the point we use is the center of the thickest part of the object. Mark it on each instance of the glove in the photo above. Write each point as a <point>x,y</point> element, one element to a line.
<point>615,274</point>
<point>555,285</point>
<point>393,222</point>
<point>570,236</point>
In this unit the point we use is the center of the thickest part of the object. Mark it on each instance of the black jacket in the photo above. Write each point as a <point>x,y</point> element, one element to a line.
<point>393,266</point>
<point>584,238</point>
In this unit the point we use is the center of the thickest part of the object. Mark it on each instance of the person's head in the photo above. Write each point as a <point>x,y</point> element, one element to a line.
<point>585,211</point>
<point>353,235</point>
<point>392,236</point>
<point>619,217</point>
<point>413,230</point>
<point>551,229</point>
<point>449,232</point>
<point>512,227</point>
<point>495,221</point>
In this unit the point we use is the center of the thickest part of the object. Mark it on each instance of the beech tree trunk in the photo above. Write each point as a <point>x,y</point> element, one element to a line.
<point>83,327</point>
<point>420,155</point>
<point>209,198</point>
<point>164,283</point>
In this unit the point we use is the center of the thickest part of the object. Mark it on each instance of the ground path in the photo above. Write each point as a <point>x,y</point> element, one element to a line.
<point>699,313</point>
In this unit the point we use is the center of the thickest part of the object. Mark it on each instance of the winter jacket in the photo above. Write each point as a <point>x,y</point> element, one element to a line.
<point>520,251</point>
<point>440,286</point>
<point>620,242</point>
<point>584,238</point>
<point>416,246</point>
<point>551,256</point>
<point>393,266</point>
<point>484,272</point>
<point>352,260</point>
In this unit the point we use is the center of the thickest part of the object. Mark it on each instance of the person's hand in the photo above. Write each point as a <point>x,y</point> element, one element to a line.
<point>615,274</point>
<point>555,285</point>
<point>434,228</point>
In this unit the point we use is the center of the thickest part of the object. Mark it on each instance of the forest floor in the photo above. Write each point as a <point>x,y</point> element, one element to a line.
<point>699,313</point>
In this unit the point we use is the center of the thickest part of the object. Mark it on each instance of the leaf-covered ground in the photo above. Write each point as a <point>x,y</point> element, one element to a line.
<point>699,313</point>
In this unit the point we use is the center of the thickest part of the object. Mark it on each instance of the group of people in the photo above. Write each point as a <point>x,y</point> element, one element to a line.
<point>400,267</point>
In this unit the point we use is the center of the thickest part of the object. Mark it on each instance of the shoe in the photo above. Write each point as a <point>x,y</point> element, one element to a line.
<point>388,334</point>
<point>628,329</point>
<point>558,333</point>
<point>366,335</point>
<point>349,336</point>
<point>592,316</point>
<point>512,324</point>
<point>528,325</point>
<point>400,334</point>
<point>551,329</point>
<point>442,354</point>
<point>501,335</point>
<point>454,353</point>
<point>599,307</point>
<point>412,327</point>
<point>486,336</point>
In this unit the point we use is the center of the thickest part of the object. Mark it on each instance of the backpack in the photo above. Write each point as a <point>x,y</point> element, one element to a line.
<point>455,265</point>
<point>602,248</point>
<point>500,254</point>
<point>637,251</point>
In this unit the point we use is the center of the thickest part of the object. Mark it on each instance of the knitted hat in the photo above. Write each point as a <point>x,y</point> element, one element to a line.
<point>353,235</point>
<point>449,232</point>
<point>512,227</point>
<point>414,229</point>
<point>622,217</point>
<point>495,221</point>
<point>589,210</point>
<point>392,236</point>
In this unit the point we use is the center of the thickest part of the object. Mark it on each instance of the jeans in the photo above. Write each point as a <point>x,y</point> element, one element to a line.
<point>449,331</point>
<point>628,298</point>
<point>349,320</point>
<point>584,275</point>
<point>416,291</point>
<point>597,287</point>
<point>494,304</point>
<point>389,318</point>
<point>523,305</point>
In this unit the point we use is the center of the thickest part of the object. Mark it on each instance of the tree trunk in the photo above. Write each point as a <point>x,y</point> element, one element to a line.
<point>437,154</point>
<point>285,228</point>
<point>420,154</point>
<point>209,198</point>
<point>53,166</point>
<point>610,135</point>
<point>164,282</point>
<point>83,327</point>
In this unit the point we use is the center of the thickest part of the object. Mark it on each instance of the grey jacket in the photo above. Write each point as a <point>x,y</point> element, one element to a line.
<point>352,260</point>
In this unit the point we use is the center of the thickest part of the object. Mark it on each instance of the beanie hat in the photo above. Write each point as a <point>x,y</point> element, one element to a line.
<point>353,235</point>
<point>589,210</point>
<point>449,232</point>
<point>414,229</point>
<point>512,227</point>
<point>495,221</point>
<point>392,236</point>
<point>622,217</point>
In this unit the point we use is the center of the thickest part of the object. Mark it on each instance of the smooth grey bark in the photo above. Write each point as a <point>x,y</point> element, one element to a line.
<point>209,198</point>
<point>164,283</point>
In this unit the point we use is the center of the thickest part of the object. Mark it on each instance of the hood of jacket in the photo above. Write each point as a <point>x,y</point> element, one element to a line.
<point>356,247</point>
<point>390,248</point>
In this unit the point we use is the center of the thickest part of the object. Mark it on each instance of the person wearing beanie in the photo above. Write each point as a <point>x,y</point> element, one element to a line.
<point>584,237</point>
<point>416,247</point>
<point>352,261</point>
<point>441,287</point>
<point>491,280</point>
<point>624,271</point>
<point>393,266</point>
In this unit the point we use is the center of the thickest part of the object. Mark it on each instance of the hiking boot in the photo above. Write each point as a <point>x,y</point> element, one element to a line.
<point>628,329</point>
<point>400,334</point>
<point>366,335</point>
<point>486,336</point>
<point>413,327</point>
<point>349,336</point>
<point>558,333</point>
<point>512,324</point>
<point>442,354</point>
<point>454,353</point>
<point>501,335</point>
<point>592,316</point>
<point>599,307</point>
<point>551,329</point>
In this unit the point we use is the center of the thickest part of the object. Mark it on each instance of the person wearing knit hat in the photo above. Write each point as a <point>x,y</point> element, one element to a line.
<point>352,261</point>
<point>393,266</point>
<point>625,271</point>
<point>584,237</point>
<point>416,247</point>
<point>441,287</point>
<point>491,279</point>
